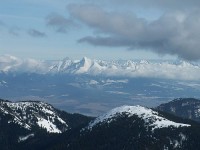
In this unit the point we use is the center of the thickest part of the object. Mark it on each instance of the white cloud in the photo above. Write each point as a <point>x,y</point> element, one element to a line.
<point>175,32</point>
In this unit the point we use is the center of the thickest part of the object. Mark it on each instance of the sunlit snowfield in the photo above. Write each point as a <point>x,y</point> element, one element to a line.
<point>93,86</point>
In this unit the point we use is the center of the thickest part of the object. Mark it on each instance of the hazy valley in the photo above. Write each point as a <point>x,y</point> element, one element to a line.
<point>95,86</point>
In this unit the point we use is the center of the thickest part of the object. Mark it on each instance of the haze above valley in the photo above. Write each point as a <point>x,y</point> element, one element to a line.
<point>93,87</point>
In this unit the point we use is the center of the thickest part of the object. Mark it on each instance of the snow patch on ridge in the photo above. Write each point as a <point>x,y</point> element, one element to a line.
<point>49,126</point>
<point>24,138</point>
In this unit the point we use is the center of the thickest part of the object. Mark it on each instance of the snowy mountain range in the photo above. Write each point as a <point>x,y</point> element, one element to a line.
<point>169,70</point>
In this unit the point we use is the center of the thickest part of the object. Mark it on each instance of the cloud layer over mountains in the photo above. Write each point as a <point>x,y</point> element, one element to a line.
<point>174,33</point>
<point>164,27</point>
<point>164,70</point>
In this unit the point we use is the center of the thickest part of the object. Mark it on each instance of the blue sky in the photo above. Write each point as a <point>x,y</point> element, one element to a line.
<point>106,29</point>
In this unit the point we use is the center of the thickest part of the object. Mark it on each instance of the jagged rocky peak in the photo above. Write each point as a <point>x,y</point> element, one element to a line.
<point>151,118</point>
<point>84,65</point>
<point>85,61</point>
<point>31,114</point>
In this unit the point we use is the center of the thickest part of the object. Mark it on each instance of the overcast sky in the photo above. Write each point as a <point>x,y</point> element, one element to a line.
<point>102,29</point>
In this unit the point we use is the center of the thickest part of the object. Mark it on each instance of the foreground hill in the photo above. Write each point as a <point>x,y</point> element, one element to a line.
<point>134,127</point>
<point>20,121</point>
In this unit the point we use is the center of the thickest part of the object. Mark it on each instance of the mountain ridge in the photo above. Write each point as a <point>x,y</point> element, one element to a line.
<point>188,108</point>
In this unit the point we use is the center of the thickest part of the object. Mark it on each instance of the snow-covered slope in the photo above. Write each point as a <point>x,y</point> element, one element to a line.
<point>129,68</point>
<point>151,118</point>
<point>34,114</point>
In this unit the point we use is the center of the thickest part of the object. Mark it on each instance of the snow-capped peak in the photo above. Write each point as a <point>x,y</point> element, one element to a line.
<point>85,65</point>
<point>150,117</point>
